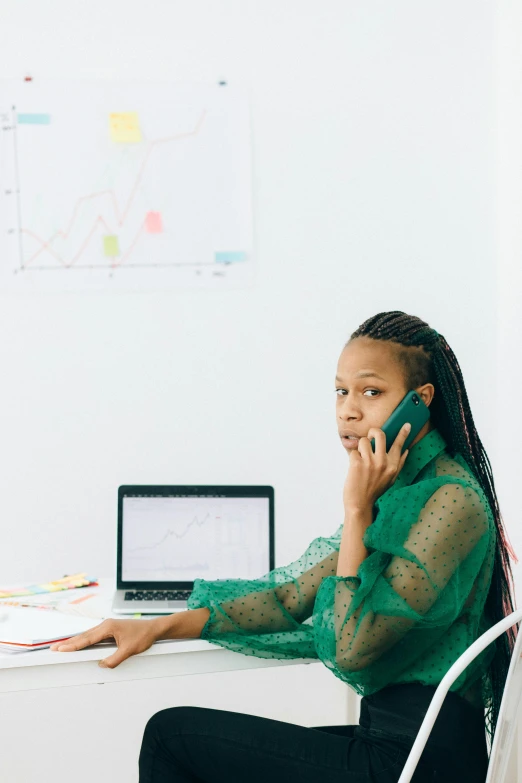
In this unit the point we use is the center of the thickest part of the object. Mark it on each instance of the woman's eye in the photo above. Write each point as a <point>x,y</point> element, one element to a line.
<point>366,390</point>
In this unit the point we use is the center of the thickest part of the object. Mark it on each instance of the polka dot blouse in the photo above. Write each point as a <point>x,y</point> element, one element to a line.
<point>416,603</point>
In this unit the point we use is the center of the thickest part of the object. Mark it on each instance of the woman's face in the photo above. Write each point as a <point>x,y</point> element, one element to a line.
<point>364,402</point>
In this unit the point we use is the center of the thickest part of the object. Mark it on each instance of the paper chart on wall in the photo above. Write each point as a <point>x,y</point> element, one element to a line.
<point>118,186</point>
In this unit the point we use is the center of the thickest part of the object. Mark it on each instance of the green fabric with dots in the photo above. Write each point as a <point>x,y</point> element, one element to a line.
<point>415,604</point>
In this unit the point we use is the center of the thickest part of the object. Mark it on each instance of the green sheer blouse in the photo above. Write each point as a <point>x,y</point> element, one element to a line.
<point>415,604</point>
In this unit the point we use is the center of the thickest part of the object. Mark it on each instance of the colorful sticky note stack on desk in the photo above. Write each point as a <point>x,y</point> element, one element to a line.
<point>68,582</point>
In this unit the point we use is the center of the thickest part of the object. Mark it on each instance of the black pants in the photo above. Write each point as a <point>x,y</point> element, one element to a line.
<point>183,744</point>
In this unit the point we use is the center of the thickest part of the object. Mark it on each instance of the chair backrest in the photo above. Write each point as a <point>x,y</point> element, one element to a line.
<point>507,716</point>
<point>506,723</point>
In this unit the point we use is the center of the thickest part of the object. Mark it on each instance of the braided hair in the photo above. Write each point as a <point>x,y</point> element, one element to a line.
<point>426,357</point>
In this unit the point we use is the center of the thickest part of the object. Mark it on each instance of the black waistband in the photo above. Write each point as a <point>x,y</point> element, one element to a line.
<point>398,710</point>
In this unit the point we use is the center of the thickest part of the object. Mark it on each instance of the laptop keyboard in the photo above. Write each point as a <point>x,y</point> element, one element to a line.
<point>157,595</point>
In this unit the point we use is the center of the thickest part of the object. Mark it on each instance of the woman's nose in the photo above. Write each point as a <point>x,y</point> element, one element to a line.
<point>349,411</point>
<point>349,415</point>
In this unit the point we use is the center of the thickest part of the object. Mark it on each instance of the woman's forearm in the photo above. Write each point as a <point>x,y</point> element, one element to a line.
<point>352,550</point>
<point>189,624</point>
<point>182,625</point>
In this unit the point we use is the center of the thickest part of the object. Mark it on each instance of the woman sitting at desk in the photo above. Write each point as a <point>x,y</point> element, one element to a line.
<point>417,571</point>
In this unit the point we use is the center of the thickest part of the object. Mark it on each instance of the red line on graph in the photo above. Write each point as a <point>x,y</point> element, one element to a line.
<point>121,216</point>
<point>131,247</point>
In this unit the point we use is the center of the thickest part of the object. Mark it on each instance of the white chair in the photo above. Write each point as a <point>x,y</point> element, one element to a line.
<point>507,718</point>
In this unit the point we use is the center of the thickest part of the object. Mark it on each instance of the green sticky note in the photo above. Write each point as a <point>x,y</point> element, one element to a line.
<point>111,246</point>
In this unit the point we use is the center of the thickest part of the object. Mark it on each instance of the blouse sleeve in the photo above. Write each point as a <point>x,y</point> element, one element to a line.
<point>267,617</point>
<point>426,546</point>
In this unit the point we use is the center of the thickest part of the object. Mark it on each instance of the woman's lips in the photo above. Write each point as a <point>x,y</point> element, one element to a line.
<point>350,443</point>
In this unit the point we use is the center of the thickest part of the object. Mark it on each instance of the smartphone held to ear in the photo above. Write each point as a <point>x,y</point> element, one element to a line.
<point>411,409</point>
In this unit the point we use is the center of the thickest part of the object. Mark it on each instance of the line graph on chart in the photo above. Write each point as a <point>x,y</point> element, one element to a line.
<point>120,185</point>
<point>118,220</point>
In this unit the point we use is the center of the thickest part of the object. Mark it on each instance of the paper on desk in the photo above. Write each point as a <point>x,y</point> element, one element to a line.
<point>70,582</point>
<point>75,602</point>
<point>25,625</point>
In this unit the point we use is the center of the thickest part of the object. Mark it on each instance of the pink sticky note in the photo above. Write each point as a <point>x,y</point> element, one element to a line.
<point>153,224</point>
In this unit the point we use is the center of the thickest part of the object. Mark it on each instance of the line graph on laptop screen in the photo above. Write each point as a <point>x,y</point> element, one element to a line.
<point>182,538</point>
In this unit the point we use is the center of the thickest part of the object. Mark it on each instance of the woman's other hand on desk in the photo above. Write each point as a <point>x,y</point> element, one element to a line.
<point>136,636</point>
<point>131,636</point>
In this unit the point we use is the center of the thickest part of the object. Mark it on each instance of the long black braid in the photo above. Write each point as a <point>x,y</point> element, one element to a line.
<point>427,358</point>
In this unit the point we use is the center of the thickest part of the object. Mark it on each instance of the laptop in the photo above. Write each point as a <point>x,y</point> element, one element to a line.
<point>168,536</point>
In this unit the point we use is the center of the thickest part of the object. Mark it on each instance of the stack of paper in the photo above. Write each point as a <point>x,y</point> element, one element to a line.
<point>69,582</point>
<point>24,628</point>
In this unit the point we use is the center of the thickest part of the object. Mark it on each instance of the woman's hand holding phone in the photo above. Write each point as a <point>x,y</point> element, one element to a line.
<point>372,473</point>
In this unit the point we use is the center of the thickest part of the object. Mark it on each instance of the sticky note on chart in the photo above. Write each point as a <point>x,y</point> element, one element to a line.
<point>111,246</point>
<point>153,224</point>
<point>230,256</point>
<point>125,127</point>
<point>33,119</point>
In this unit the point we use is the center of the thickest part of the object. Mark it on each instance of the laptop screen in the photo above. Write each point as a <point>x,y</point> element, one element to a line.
<point>179,538</point>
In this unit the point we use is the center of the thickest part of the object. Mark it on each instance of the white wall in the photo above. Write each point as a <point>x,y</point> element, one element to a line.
<point>508,241</point>
<point>508,231</point>
<point>373,190</point>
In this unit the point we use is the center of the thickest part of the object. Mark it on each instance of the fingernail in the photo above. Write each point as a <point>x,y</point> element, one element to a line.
<point>407,426</point>
<point>102,664</point>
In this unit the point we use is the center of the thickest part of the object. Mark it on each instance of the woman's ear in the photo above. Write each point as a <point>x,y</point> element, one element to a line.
<point>427,392</point>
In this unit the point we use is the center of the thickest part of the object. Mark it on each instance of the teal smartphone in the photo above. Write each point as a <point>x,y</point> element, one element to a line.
<point>411,408</point>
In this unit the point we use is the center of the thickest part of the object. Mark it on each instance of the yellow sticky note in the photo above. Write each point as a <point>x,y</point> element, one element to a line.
<point>111,246</point>
<point>125,127</point>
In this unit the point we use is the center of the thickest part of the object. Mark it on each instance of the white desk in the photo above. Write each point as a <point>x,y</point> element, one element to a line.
<point>56,721</point>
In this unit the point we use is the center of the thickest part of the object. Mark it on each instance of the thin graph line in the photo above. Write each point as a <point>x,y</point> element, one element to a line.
<point>170,533</point>
<point>194,567</point>
<point>47,267</point>
<point>121,216</point>
<point>17,179</point>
